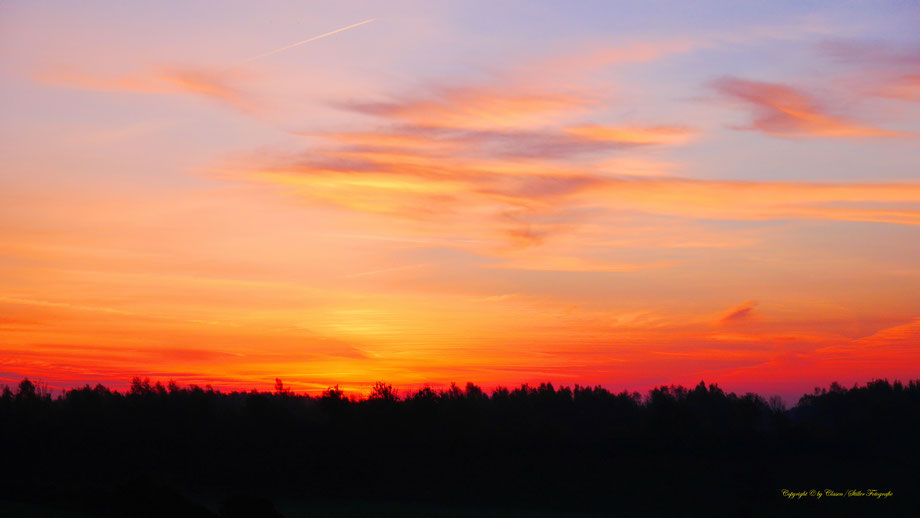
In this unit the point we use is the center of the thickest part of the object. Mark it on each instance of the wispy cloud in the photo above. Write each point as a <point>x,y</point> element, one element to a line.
<point>885,70</point>
<point>511,169</point>
<point>69,77</point>
<point>572,264</point>
<point>395,183</point>
<point>508,158</point>
<point>738,314</point>
<point>212,84</point>
<point>220,85</point>
<point>478,107</point>
<point>634,135</point>
<point>784,111</point>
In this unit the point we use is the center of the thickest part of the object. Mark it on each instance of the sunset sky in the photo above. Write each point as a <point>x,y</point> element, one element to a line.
<point>615,193</point>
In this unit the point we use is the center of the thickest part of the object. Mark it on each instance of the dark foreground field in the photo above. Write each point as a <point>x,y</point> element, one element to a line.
<point>530,452</point>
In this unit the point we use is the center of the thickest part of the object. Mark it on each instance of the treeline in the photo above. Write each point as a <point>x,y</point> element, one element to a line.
<point>532,447</point>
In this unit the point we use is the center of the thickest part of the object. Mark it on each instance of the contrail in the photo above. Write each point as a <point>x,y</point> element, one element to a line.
<point>299,43</point>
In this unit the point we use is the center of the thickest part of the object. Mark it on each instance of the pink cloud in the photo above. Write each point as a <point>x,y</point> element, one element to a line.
<point>783,111</point>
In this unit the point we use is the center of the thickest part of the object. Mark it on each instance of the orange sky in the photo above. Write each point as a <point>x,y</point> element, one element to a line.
<point>444,195</point>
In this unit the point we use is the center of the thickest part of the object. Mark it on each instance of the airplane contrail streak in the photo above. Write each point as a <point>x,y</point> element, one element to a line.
<point>299,43</point>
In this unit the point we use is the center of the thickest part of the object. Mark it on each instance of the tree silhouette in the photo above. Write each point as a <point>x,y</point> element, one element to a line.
<point>280,389</point>
<point>383,392</point>
<point>571,449</point>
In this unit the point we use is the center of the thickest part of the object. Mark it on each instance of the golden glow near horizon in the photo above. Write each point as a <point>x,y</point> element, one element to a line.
<point>430,199</point>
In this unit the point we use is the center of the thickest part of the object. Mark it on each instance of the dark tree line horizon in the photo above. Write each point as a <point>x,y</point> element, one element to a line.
<point>381,390</point>
<point>573,449</point>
